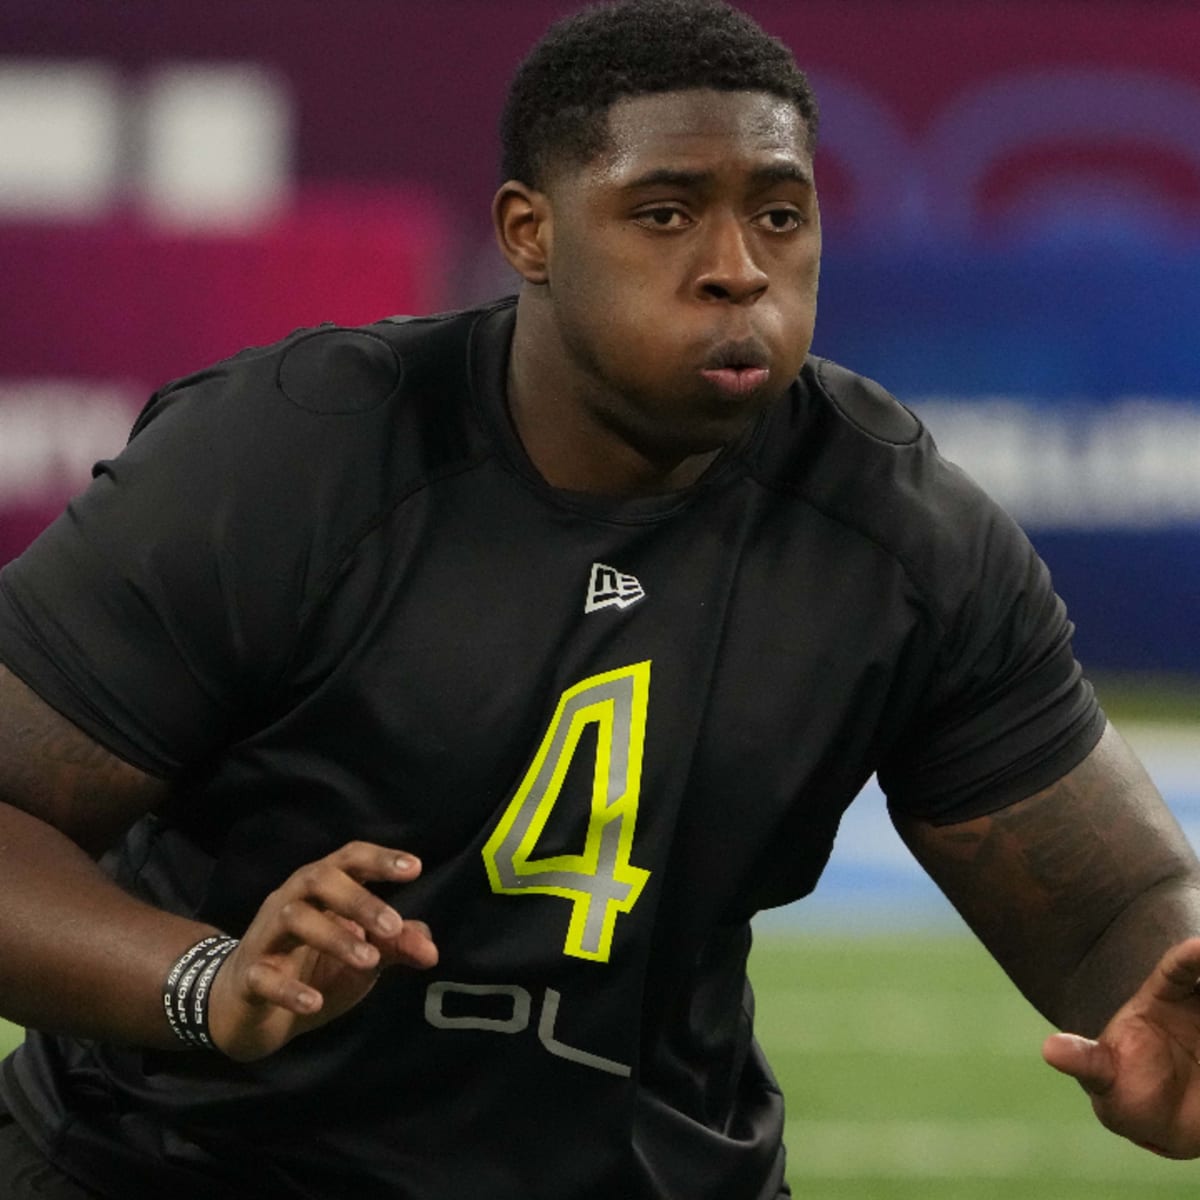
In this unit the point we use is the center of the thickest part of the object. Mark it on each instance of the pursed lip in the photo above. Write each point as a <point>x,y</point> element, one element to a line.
<point>743,354</point>
<point>737,369</point>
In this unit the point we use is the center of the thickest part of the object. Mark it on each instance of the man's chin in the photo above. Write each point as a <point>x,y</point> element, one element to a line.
<point>709,433</point>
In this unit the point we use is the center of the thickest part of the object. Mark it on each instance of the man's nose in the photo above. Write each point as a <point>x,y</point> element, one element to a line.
<point>727,269</point>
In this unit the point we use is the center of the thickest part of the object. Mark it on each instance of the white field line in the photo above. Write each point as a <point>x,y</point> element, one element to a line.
<point>896,1022</point>
<point>971,1149</point>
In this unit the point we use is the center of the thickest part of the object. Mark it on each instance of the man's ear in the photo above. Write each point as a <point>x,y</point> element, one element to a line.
<point>523,224</point>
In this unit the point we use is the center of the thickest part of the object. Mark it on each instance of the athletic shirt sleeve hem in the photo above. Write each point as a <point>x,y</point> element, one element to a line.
<point>33,662</point>
<point>1025,778</point>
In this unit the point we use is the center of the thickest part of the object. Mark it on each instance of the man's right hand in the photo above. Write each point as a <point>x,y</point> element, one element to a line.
<point>80,955</point>
<point>314,950</point>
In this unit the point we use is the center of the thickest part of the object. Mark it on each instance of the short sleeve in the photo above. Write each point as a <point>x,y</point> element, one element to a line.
<point>160,610</point>
<point>1005,709</point>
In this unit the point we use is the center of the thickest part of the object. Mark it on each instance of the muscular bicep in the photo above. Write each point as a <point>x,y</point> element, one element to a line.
<point>55,772</point>
<point>1078,887</point>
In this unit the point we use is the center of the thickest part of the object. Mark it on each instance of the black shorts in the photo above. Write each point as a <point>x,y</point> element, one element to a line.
<point>27,1174</point>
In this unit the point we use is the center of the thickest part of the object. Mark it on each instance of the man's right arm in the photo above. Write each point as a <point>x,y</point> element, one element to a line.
<point>77,952</point>
<point>80,955</point>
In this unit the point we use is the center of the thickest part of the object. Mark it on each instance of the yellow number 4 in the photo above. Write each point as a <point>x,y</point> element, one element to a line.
<point>600,882</point>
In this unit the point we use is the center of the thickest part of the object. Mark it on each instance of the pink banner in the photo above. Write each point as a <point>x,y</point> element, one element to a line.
<point>98,314</point>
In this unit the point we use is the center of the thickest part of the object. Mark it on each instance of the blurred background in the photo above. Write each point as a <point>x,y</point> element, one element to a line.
<point>1011,198</point>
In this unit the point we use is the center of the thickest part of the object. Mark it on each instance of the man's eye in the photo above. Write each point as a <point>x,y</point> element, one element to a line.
<point>663,218</point>
<point>779,220</point>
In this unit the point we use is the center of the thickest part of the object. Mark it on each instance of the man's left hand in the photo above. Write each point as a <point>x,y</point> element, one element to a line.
<point>1143,1072</point>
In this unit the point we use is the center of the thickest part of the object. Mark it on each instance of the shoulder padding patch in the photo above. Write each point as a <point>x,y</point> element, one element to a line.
<point>339,371</point>
<point>867,405</point>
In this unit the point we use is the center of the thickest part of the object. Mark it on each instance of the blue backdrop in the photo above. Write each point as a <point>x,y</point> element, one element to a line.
<point>1086,347</point>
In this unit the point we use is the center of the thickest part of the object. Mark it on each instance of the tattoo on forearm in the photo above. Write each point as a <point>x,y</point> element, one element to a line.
<point>1080,844</point>
<point>1049,882</point>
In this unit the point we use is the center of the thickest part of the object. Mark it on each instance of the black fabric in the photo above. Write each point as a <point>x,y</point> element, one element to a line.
<point>27,1174</point>
<point>326,594</point>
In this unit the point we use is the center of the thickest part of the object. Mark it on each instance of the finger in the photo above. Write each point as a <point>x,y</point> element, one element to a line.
<point>414,947</point>
<point>1175,978</point>
<point>1090,1063</point>
<point>329,884</point>
<point>1154,1148</point>
<point>327,933</point>
<point>368,861</point>
<point>266,984</point>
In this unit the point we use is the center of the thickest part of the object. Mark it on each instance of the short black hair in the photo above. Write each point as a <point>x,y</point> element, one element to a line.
<point>558,102</point>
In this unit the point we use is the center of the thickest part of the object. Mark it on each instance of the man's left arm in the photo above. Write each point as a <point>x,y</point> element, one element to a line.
<point>1088,895</point>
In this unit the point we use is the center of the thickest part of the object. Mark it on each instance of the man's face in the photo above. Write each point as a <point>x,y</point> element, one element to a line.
<point>682,265</point>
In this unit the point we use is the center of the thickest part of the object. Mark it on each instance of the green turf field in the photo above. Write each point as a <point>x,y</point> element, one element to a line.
<point>1169,699</point>
<point>911,1068</point>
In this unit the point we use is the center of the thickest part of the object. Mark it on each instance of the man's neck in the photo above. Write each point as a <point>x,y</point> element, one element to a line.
<point>563,434</point>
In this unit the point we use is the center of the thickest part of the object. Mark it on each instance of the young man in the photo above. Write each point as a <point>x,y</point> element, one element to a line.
<point>566,628</point>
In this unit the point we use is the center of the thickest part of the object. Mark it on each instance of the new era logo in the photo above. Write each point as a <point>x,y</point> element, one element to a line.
<point>608,587</point>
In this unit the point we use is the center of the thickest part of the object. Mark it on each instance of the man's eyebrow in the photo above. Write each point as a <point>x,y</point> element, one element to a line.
<point>667,177</point>
<point>782,172</point>
<point>764,176</point>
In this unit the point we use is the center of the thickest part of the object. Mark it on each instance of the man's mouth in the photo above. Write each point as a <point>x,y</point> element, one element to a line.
<point>738,368</point>
<point>737,381</point>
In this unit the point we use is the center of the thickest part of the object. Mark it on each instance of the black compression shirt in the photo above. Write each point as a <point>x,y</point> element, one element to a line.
<point>324,592</point>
